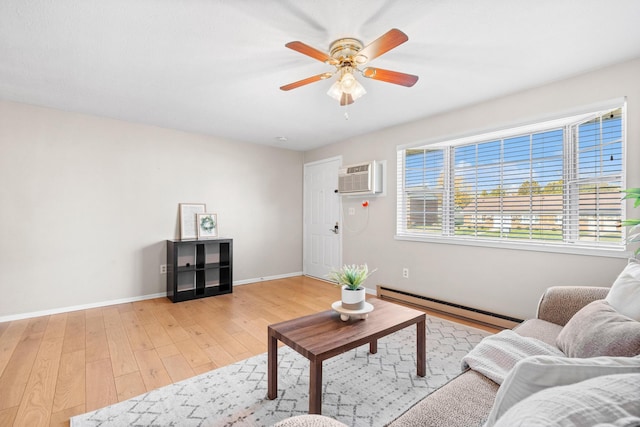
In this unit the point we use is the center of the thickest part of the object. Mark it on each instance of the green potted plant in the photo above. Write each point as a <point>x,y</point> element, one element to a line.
<point>350,278</point>
<point>633,234</point>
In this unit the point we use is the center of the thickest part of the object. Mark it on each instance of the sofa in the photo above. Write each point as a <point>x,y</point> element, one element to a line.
<point>588,341</point>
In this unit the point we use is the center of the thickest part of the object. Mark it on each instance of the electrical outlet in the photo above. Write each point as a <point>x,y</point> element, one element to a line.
<point>163,268</point>
<point>405,273</point>
<point>352,211</point>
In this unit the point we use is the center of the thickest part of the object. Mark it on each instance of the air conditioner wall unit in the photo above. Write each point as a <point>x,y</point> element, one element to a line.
<point>363,178</point>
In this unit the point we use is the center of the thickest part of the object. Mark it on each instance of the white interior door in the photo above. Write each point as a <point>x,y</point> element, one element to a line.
<point>322,246</point>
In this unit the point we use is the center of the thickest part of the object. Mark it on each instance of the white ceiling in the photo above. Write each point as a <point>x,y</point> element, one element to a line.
<point>215,66</point>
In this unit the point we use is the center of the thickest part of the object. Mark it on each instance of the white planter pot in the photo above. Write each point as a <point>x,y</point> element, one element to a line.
<point>353,300</point>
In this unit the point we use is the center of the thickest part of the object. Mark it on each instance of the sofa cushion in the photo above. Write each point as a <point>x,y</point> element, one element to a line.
<point>624,295</point>
<point>462,402</point>
<point>605,399</point>
<point>537,373</point>
<point>539,329</point>
<point>309,420</point>
<point>599,330</point>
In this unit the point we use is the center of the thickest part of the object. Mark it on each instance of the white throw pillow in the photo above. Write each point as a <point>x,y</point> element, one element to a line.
<point>537,373</point>
<point>608,399</point>
<point>624,295</point>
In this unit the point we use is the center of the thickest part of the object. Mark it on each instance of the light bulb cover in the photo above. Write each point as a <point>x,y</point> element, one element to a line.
<point>335,91</point>
<point>346,84</point>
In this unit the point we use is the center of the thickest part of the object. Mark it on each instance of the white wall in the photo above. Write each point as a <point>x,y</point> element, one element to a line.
<point>503,281</point>
<point>86,205</point>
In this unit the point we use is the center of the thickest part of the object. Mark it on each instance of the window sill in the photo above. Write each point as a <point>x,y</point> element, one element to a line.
<point>528,246</point>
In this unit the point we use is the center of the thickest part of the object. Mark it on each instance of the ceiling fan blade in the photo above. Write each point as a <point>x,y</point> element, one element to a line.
<point>388,76</point>
<point>306,81</point>
<point>383,44</point>
<point>305,49</point>
<point>346,99</point>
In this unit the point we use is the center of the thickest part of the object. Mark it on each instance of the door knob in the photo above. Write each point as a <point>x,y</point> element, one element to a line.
<point>335,228</point>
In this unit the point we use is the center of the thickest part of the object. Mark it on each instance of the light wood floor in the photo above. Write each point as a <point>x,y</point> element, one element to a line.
<point>55,367</point>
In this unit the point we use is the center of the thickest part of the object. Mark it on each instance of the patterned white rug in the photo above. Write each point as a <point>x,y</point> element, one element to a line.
<point>359,389</point>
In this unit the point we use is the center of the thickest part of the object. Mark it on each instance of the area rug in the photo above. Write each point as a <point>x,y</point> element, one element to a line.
<point>359,389</point>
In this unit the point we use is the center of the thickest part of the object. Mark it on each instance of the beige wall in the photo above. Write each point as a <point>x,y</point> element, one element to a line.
<point>498,280</point>
<point>87,203</point>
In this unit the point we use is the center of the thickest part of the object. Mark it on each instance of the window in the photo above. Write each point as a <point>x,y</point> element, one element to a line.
<point>555,183</point>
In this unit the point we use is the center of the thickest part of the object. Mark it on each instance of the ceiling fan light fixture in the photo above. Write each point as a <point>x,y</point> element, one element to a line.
<point>335,91</point>
<point>357,90</point>
<point>347,84</point>
<point>347,55</point>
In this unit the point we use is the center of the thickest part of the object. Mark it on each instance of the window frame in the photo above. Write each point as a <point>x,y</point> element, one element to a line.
<point>448,215</point>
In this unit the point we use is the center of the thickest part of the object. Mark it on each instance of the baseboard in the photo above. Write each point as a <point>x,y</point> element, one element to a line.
<point>456,310</point>
<point>20,316</point>
<point>68,309</point>
<point>264,279</point>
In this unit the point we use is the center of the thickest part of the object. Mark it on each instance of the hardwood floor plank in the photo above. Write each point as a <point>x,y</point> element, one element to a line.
<point>255,327</point>
<point>157,334</point>
<point>9,340</point>
<point>56,326</point>
<point>144,311</point>
<point>170,324</point>
<point>254,345</point>
<point>3,327</point>
<point>138,338</point>
<point>200,336</point>
<point>219,356</point>
<point>204,368</point>
<point>183,313</point>
<point>231,345</point>
<point>14,378</point>
<point>37,325</point>
<point>122,358</point>
<point>125,307</point>
<point>111,317</point>
<point>167,350</point>
<point>61,419</point>
<point>70,384</point>
<point>192,353</point>
<point>152,369</point>
<point>74,334</point>
<point>97,346</point>
<point>7,416</point>
<point>37,401</point>
<point>129,385</point>
<point>93,312</point>
<point>100,385</point>
<point>178,367</point>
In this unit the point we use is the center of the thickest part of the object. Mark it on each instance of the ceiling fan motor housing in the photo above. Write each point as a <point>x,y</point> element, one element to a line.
<point>345,51</point>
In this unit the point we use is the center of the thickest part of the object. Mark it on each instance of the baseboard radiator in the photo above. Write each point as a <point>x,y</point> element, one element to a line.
<point>460,311</point>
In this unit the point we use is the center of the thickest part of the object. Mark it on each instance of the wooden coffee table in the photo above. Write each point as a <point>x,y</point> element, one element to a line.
<point>323,335</point>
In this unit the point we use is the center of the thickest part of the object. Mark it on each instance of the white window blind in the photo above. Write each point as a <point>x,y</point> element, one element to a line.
<point>556,182</point>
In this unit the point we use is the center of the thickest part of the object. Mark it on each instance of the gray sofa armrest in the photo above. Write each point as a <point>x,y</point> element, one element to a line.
<point>559,303</point>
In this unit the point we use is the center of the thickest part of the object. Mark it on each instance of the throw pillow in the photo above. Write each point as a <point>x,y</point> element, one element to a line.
<point>599,330</point>
<point>605,399</point>
<point>624,295</point>
<point>538,373</point>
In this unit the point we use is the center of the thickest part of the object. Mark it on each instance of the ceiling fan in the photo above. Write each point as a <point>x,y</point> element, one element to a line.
<point>347,55</point>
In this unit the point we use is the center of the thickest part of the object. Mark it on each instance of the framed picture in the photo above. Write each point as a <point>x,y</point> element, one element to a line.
<point>188,225</point>
<point>207,225</point>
